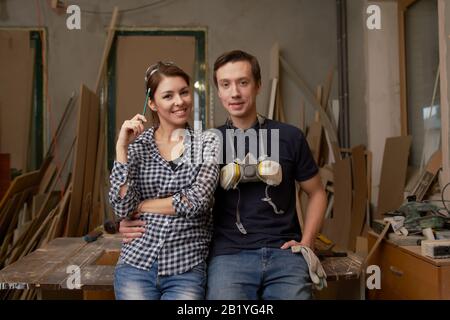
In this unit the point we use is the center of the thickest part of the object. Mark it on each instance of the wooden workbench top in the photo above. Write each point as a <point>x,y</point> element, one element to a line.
<point>46,268</point>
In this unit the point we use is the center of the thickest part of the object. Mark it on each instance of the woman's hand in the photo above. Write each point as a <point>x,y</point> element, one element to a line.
<point>130,130</point>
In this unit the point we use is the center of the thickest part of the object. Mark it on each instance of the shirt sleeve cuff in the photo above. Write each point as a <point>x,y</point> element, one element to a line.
<point>181,205</point>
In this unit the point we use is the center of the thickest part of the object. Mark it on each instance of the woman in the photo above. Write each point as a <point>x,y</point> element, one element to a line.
<point>157,175</point>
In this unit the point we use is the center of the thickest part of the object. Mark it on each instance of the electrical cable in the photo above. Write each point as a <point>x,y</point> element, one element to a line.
<point>125,10</point>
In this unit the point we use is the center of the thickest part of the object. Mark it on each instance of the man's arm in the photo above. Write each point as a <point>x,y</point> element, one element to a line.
<point>314,212</point>
<point>131,228</point>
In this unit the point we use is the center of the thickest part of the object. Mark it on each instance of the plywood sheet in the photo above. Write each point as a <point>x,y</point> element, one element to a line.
<point>88,103</point>
<point>337,228</point>
<point>393,174</point>
<point>359,194</point>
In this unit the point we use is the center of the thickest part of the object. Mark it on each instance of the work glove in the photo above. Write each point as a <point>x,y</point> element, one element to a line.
<point>316,271</point>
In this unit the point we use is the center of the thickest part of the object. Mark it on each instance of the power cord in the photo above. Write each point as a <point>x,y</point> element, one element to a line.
<point>125,10</point>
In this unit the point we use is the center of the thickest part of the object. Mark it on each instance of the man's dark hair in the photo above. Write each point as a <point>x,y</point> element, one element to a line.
<point>238,55</point>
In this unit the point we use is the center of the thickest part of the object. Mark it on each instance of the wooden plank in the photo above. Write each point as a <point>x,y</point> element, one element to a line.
<point>311,99</point>
<point>33,241</point>
<point>62,214</point>
<point>338,268</point>
<point>51,229</point>
<point>393,174</point>
<point>107,48</point>
<point>48,177</point>
<point>375,246</point>
<point>4,248</point>
<point>98,204</point>
<point>360,194</point>
<point>19,231</point>
<point>8,214</point>
<point>79,161</point>
<point>90,162</point>
<point>14,219</point>
<point>273,93</point>
<point>402,71</point>
<point>274,69</point>
<point>23,241</point>
<point>326,174</point>
<point>443,88</point>
<point>61,125</point>
<point>319,94</point>
<point>327,89</point>
<point>38,201</point>
<point>314,139</point>
<point>338,227</point>
<point>279,103</point>
<point>369,157</point>
<point>428,175</point>
<point>20,183</point>
<point>100,164</point>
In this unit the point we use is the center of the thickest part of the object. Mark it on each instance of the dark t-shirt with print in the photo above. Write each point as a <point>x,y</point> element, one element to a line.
<point>264,227</point>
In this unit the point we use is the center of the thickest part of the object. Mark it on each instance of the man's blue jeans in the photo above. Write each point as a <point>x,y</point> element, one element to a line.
<point>266,273</point>
<point>131,283</point>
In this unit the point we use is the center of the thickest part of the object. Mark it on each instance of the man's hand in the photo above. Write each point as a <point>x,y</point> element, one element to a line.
<point>292,243</point>
<point>132,229</point>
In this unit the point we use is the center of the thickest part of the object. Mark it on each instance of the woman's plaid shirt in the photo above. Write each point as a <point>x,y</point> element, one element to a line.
<point>177,242</point>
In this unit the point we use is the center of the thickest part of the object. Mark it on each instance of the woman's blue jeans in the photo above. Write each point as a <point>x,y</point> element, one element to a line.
<point>131,283</point>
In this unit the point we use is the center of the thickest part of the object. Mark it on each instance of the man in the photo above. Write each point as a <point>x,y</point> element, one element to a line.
<point>255,219</point>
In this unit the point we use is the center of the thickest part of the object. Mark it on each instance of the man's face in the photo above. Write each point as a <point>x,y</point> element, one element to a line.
<point>237,88</point>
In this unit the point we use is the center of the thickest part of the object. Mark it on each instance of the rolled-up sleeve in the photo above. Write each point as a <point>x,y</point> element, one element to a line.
<point>197,198</point>
<point>121,174</point>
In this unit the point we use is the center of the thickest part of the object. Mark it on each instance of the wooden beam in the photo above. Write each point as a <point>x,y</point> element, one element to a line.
<point>402,71</point>
<point>445,110</point>
<point>98,206</point>
<point>107,48</point>
<point>310,97</point>
<point>90,163</point>
<point>87,102</point>
<point>274,71</point>
<point>402,7</point>
<point>273,93</point>
<point>20,183</point>
<point>327,90</point>
<point>359,194</point>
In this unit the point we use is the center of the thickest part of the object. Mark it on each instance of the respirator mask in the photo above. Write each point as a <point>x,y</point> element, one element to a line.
<point>251,169</point>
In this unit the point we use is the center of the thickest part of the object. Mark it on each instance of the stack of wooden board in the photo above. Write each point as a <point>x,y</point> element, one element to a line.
<point>38,206</point>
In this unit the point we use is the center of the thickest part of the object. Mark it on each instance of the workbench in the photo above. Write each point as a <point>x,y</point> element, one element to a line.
<point>46,269</point>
